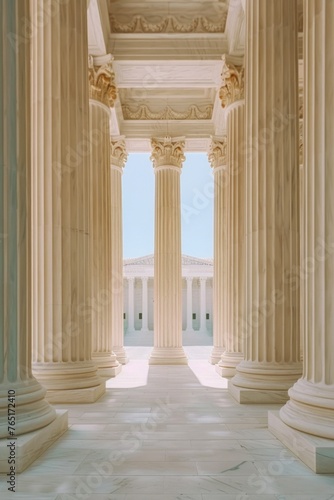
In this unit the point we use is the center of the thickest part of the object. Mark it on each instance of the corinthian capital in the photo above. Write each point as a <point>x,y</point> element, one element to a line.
<point>101,77</point>
<point>118,153</point>
<point>218,152</point>
<point>233,81</point>
<point>168,151</point>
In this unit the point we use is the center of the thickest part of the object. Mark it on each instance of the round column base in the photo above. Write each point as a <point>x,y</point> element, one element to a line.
<point>121,355</point>
<point>216,355</point>
<point>107,364</point>
<point>228,363</point>
<point>67,376</point>
<point>168,356</point>
<point>310,409</point>
<point>32,411</point>
<point>267,376</point>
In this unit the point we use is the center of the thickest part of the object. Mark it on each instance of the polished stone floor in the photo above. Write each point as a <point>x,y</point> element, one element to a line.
<point>168,433</point>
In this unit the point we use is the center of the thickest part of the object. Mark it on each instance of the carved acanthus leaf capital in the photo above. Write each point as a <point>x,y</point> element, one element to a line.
<point>233,84</point>
<point>118,153</point>
<point>218,152</point>
<point>102,85</point>
<point>168,151</point>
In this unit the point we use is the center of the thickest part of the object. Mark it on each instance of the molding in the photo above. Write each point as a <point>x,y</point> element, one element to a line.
<point>169,24</point>
<point>233,83</point>
<point>218,152</point>
<point>143,112</point>
<point>118,152</point>
<point>168,151</point>
<point>102,85</point>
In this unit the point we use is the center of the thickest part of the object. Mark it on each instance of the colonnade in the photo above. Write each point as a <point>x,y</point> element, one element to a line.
<point>61,295</point>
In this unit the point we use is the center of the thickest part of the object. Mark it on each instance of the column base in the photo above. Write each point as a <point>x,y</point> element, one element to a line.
<point>30,446</point>
<point>228,364</point>
<point>216,355</point>
<point>121,355</point>
<point>317,453</point>
<point>76,396</point>
<point>257,396</point>
<point>107,365</point>
<point>168,356</point>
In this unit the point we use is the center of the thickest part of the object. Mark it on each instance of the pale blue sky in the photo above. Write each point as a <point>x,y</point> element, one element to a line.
<point>196,206</point>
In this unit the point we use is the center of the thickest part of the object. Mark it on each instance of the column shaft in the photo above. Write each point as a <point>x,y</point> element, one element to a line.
<point>203,305</point>
<point>101,237</point>
<point>189,327</point>
<point>167,156</point>
<point>61,318</point>
<point>272,355</point>
<point>311,405</point>
<point>117,161</point>
<point>144,305</point>
<point>218,160</point>
<point>131,317</point>
<point>235,256</point>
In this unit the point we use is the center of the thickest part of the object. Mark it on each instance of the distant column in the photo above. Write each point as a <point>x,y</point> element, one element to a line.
<point>203,305</point>
<point>144,305</point>
<point>131,316</point>
<point>189,327</point>
<point>167,157</point>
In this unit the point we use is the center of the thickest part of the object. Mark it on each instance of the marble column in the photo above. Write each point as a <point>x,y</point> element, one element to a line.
<point>189,327</point>
<point>272,353</point>
<point>144,305</point>
<point>232,97</point>
<point>218,160</point>
<point>118,157</point>
<point>167,157</point>
<point>202,327</point>
<point>309,414</point>
<point>131,317</point>
<point>20,392</point>
<point>62,302</point>
<point>102,93</point>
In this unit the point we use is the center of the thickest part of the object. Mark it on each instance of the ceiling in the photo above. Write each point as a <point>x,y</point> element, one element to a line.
<point>167,64</point>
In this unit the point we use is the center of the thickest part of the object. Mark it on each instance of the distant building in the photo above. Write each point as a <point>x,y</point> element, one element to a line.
<point>196,294</point>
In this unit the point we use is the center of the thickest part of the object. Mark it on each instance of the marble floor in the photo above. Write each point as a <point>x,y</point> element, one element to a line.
<point>168,433</point>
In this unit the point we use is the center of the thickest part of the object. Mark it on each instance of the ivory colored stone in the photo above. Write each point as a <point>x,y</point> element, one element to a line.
<point>167,156</point>
<point>272,353</point>
<point>61,238</point>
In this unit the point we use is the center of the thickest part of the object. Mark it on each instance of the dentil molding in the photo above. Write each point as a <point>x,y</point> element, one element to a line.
<point>168,151</point>
<point>143,112</point>
<point>233,83</point>
<point>169,24</point>
<point>101,77</point>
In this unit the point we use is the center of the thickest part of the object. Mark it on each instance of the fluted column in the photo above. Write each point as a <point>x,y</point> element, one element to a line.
<point>144,305</point>
<point>232,96</point>
<point>118,157</point>
<point>167,157</point>
<point>218,161</point>
<point>311,405</point>
<point>31,410</point>
<point>62,341</point>
<point>189,327</point>
<point>202,304</point>
<point>131,290</point>
<point>102,92</point>
<point>272,354</point>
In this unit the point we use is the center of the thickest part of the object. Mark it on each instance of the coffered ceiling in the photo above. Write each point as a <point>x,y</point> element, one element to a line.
<point>168,65</point>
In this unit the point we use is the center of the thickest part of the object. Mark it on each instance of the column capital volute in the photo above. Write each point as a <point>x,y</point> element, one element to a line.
<point>233,82</point>
<point>167,152</point>
<point>218,152</point>
<point>101,76</point>
<point>118,152</point>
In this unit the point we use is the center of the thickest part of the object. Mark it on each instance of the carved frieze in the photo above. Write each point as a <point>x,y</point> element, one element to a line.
<point>102,85</point>
<point>233,84</point>
<point>168,151</point>
<point>143,112</point>
<point>169,24</point>
<point>218,152</point>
